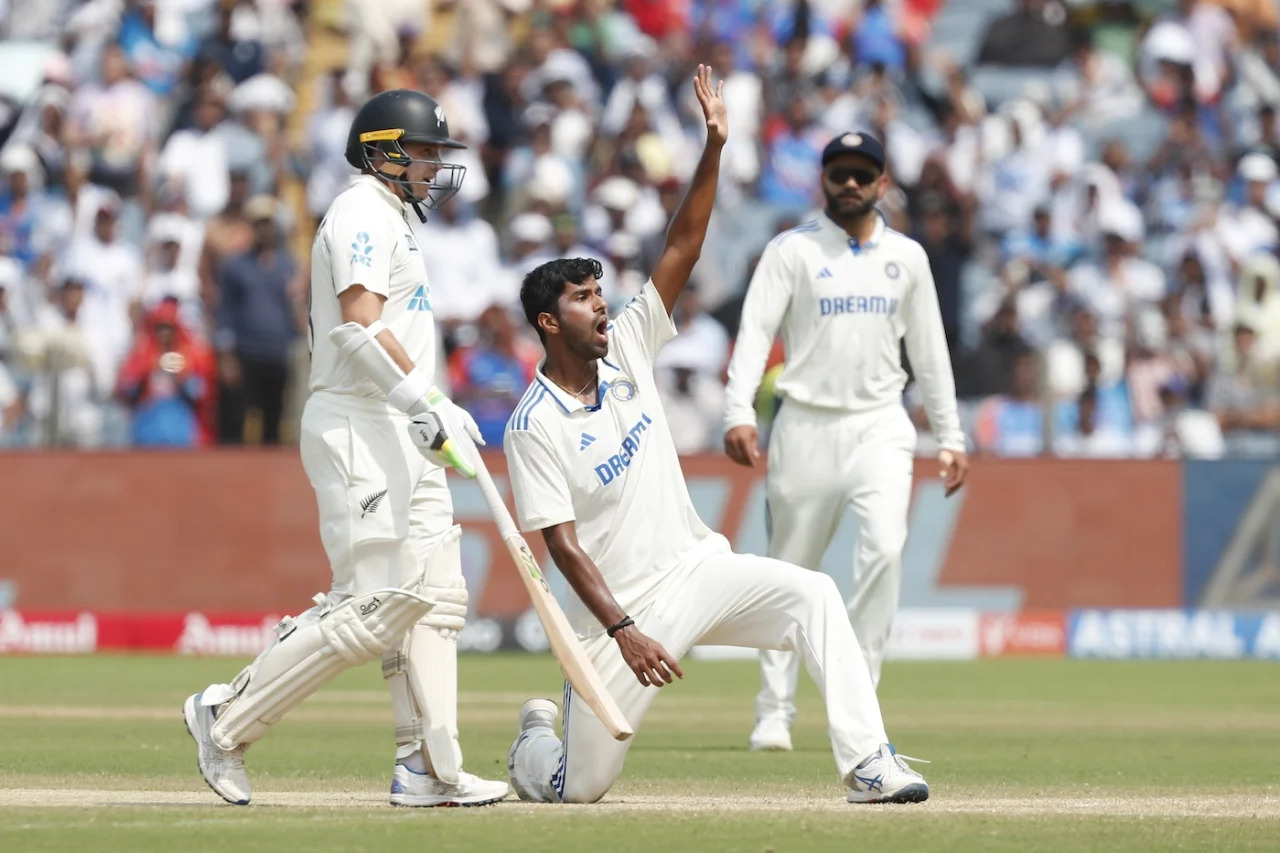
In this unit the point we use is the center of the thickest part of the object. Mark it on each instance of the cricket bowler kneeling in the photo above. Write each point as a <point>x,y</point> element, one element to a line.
<point>593,466</point>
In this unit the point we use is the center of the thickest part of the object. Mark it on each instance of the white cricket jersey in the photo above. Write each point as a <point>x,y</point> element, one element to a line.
<point>611,468</point>
<point>843,308</point>
<point>365,239</point>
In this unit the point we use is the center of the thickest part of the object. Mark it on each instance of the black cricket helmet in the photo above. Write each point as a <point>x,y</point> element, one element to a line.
<point>384,124</point>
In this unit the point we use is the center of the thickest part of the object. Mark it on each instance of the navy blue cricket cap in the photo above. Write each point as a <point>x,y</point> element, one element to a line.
<point>854,143</point>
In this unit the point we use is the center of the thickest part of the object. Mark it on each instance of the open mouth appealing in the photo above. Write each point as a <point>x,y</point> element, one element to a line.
<point>602,329</point>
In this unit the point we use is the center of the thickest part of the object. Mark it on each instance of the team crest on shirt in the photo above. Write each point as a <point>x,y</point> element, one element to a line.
<point>623,389</point>
<point>892,269</point>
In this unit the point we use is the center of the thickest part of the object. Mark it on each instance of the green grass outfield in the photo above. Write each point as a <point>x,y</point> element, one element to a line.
<point>1027,755</point>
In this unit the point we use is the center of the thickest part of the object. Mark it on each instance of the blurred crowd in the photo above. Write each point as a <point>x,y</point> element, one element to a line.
<point>1096,185</point>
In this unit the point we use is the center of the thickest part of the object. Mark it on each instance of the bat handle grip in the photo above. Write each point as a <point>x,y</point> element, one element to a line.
<point>497,507</point>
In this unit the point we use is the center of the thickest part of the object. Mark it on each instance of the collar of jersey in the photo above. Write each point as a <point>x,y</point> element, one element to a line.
<point>387,195</point>
<point>835,231</point>
<point>608,372</point>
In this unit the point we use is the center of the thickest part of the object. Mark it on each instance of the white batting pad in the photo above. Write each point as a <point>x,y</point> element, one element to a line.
<point>310,650</point>
<point>423,672</point>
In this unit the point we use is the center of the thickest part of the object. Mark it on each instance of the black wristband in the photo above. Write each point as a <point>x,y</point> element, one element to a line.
<point>626,621</point>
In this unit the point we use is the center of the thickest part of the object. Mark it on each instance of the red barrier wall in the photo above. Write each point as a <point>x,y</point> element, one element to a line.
<point>1072,534</point>
<point>235,530</point>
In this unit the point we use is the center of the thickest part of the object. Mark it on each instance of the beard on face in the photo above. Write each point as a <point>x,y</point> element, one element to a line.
<point>852,206</point>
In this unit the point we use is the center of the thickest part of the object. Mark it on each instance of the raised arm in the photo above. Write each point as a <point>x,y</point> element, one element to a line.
<point>651,663</point>
<point>688,227</point>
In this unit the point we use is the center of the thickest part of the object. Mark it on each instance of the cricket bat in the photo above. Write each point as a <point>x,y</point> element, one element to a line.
<point>573,660</point>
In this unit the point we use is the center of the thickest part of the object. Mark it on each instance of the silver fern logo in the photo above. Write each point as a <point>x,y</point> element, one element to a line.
<point>371,503</point>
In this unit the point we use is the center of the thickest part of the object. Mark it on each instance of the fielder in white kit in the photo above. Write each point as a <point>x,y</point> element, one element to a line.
<point>376,437</point>
<point>845,290</point>
<point>593,466</point>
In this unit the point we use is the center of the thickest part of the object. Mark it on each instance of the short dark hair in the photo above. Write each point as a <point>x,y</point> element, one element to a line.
<point>541,289</point>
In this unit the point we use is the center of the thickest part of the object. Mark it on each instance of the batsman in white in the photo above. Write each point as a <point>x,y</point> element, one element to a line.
<point>376,438</point>
<point>593,466</point>
<point>846,290</point>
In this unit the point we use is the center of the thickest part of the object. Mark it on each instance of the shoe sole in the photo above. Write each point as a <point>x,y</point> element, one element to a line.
<point>449,804</point>
<point>910,794</point>
<point>188,712</point>
<point>769,747</point>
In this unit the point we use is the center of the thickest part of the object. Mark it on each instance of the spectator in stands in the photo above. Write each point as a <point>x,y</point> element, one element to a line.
<point>238,58</point>
<point>327,137</point>
<point>1248,228</point>
<point>744,97</point>
<point>1259,70</point>
<point>1207,303</point>
<point>1122,282</point>
<point>22,204</point>
<point>1033,34</point>
<point>66,395</point>
<point>68,214</point>
<point>793,156</point>
<point>1013,424</point>
<point>165,381</point>
<point>116,119</point>
<point>155,61</point>
<point>1258,304</point>
<point>946,235</point>
<point>490,375</point>
<point>987,369</point>
<point>1089,439</point>
<point>167,276</point>
<point>642,85</point>
<point>1097,87</point>
<point>226,235</point>
<point>1017,180</point>
<point>110,269</point>
<point>1245,398</point>
<point>1267,131</point>
<point>1191,347</point>
<point>787,79</point>
<point>460,253</point>
<point>1046,252</point>
<point>876,39</point>
<point>1182,432</point>
<point>194,161</point>
<point>256,327</point>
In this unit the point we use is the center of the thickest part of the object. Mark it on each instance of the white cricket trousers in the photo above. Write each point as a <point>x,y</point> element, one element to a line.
<point>383,506</point>
<point>820,462</point>
<point>727,599</point>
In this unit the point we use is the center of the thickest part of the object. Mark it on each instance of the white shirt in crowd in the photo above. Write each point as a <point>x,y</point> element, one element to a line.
<point>366,239</point>
<point>111,273</point>
<point>197,161</point>
<point>460,261</point>
<point>612,468</point>
<point>1136,283</point>
<point>843,309</point>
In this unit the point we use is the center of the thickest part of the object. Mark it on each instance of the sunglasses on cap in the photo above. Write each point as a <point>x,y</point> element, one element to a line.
<point>842,174</point>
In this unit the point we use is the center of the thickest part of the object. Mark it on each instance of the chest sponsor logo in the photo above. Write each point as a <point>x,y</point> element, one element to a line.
<point>421,299</point>
<point>830,306</point>
<point>618,463</point>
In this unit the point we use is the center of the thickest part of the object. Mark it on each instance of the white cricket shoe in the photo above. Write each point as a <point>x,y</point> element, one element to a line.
<point>884,777</point>
<point>771,734</point>
<point>534,714</point>
<point>222,769</point>
<point>423,790</point>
